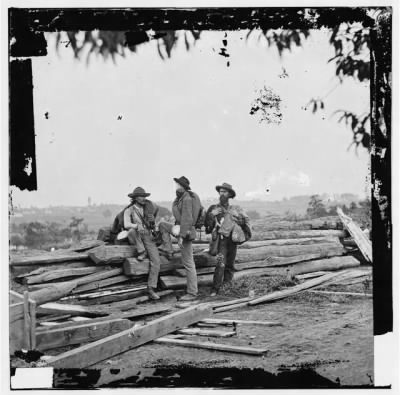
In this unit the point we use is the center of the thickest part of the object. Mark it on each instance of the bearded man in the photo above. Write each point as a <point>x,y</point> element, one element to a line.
<point>229,226</point>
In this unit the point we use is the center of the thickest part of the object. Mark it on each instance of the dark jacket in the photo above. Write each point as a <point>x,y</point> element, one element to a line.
<point>186,210</point>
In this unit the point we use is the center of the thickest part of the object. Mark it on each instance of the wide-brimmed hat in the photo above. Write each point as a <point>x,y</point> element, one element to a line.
<point>183,182</point>
<point>228,187</point>
<point>137,192</point>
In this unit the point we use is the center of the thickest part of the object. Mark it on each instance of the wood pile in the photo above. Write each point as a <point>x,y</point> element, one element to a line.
<point>92,294</point>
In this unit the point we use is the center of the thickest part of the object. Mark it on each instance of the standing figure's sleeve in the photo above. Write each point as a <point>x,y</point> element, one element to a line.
<point>186,222</point>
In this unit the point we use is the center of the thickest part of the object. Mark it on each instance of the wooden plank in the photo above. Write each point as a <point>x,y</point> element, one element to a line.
<point>310,275</point>
<point>133,267</point>
<point>118,343</point>
<point>276,261</point>
<point>52,292</point>
<point>230,302</point>
<point>211,346</point>
<point>101,283</point>
<point>206,332</point>
<point>130,314</point>
<point>107,254</point>
<point>15,297</point>
<point>228,321</point>
<point>72,309</point>
<point>27,322</point>
<point>230,307</point>
<point>290,241</point>
<point>362,241</point>
<point>277,295</point>
<point>296,234</point>
<point>60,273</point>
<point>33,324</point>
<point>335,293</point>
<point>335,263</point>
<point>80,334</point>
<point>129,304</point>
<point>47,258</point>
<point>86,245</point>
<point>47,268</point>
<point>260,253</point>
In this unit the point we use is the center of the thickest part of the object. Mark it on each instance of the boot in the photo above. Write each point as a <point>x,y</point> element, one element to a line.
<point>152,294</point>
<point>187,298</point>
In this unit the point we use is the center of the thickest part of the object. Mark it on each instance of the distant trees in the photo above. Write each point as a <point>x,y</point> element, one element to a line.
<point>107,213</point>
<point>253,214</point>
<point>316,207</point>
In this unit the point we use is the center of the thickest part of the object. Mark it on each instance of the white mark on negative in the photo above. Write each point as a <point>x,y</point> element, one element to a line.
<point>28,166</point>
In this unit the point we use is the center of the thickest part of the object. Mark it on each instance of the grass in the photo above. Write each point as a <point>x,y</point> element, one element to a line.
<point>260,285</point>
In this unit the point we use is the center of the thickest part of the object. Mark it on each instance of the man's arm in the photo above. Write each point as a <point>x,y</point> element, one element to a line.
<point>128,224</point>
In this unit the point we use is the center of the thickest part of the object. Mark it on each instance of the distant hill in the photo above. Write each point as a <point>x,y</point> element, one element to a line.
<point>96,216</point>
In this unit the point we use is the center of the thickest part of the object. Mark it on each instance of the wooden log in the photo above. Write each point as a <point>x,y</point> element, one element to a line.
<point>230,307</point>
<point>47,258</point>
<point>205,332</point>
<point>101,283</point>
<point>27,321</point>
<point>115,298</point>
<point>336,263</point>
<point>86,245</point>
<point>230,302</point>
<point>175,282</point>
<point>118,343</point>
<point>129,314</point>
<point>285,242</point>
<point>72,309</point>
<point>52,292</point>
<point>228,321</point>
<point>133,267</point>
<point>310,275</point>
<point>256,254</point>
<point>57,266</point>
<point>33,324</point>
<point>277,295</point>
<point>297,234</point>
<point>59,274</point>
<point>271,255</point>
<point>112,292</point>
<point>111,254</point>
<point>80,334</point>
<point>337,293</point>
<point>211,346</point>
<point>363,243</point>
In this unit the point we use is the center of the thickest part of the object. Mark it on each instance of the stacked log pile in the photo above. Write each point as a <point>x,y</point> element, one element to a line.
<point>95,290</point>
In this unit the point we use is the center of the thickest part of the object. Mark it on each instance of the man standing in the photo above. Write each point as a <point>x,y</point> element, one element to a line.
<point>186,209</point>
<point>139,221</point>
<point>229,226</point>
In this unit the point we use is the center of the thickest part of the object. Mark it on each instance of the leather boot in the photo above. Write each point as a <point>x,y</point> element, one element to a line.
<point>152,294</point>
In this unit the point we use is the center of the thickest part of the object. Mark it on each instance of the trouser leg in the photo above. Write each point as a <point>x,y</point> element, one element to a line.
<point>166,231</point>
<point>230,260</point>
<point>219,272</point>
<point>136,240</point>
<point>188,264</point>
<point>155,261</point>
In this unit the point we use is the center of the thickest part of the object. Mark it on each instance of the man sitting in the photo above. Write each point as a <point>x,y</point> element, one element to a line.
<point>139,221</point>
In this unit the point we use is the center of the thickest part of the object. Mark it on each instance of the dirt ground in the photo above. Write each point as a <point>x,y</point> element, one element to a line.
<point>324,341</point>
<point>327,337</point>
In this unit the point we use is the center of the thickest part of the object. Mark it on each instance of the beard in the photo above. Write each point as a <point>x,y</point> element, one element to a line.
<point>223,200</point>
<point>179,193</point>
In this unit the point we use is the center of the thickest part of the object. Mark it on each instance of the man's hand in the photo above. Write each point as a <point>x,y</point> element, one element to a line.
<point>140,228</point>
<point>216,211</point>
<point>239,219</point>
<point>180,242</point>
<point>176,230</point>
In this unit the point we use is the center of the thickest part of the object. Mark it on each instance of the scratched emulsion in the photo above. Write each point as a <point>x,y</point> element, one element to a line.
<point>27,27</point>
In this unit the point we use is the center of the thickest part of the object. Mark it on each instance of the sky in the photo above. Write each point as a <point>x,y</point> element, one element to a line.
<point>189,115</point>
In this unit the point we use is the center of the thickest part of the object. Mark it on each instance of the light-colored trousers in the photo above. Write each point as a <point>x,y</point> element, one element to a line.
<point>186,254</point>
